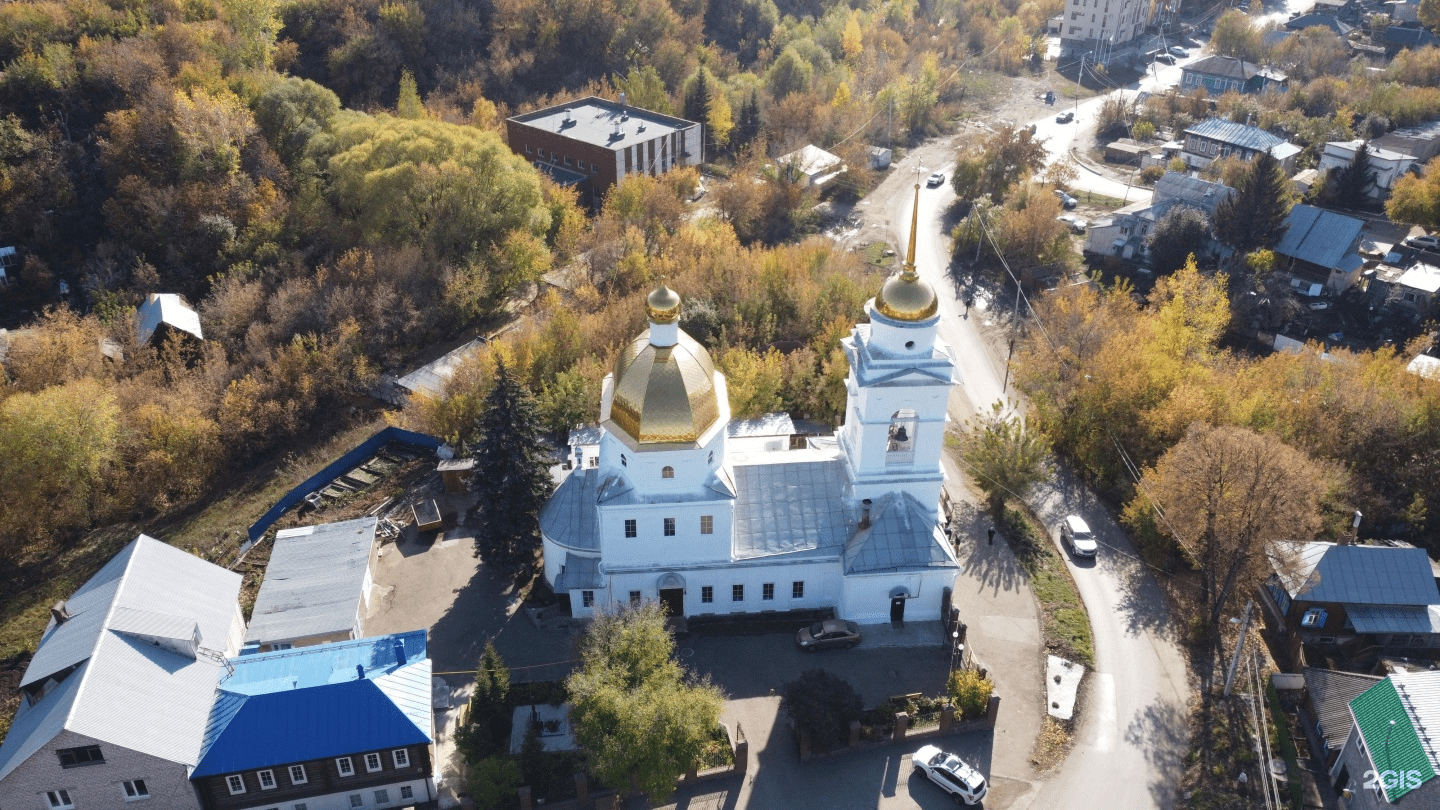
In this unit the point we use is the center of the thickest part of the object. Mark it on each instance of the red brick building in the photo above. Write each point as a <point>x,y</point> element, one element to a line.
<point>592,143</point>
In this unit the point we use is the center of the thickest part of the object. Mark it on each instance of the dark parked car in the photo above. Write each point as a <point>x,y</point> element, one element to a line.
<point>827,634</point>
<point>1065,117</point>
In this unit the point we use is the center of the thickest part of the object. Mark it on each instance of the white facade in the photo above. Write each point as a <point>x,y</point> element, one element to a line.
<point>1388,166</point>
<point>1112,22</point>
<point>762,521</point>
<point>370,797</point>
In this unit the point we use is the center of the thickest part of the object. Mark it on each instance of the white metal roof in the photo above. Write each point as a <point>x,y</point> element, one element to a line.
<point>431,378</point>
<point>127,690</point>
<point>314,581</point>
<point>167,308</point>
<point>1424,277</point>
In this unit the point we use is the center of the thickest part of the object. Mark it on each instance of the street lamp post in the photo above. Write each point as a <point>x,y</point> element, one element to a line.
<point>954,648</point>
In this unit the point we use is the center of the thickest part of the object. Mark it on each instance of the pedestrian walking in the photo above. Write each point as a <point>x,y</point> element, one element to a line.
<point>991,533</point>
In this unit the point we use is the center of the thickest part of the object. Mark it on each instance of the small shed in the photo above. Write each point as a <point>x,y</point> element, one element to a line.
<point>454,471</point>
<point>427,515</point>
<point>880,158</point>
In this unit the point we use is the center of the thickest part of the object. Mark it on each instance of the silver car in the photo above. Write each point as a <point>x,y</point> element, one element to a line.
<point>1077,537</point>
<point>964,784</point>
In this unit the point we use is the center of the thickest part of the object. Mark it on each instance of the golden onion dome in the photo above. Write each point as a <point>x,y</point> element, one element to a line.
<point>906,297</point>
<point>663,305</point>
<point>665,394</point>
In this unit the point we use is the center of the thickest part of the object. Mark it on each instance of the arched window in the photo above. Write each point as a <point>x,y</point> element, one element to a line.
<point>667,472</point>
<point>900,444</point>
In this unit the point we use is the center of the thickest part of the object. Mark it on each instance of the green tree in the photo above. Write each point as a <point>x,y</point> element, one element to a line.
<point>697,95</point>
<point>634,709</point>
<point>512,478</point>
<point>1004,456</point>
<point>1181,232</point>
<point>485,731</point>
<point>788,74</point>
<point>1228,496</point>
<point>749,122</point>
<point>1350,184</point>
<point>492,782</point>
<point>1429,13</point>
<point>1254,216</point>
<point>643,87</point>
<point>823,705</point>
<point>1008,156</point>
<point>408,105</point>
<point>969,692</point>
<point>291,113</point>
<point>1416,200</point>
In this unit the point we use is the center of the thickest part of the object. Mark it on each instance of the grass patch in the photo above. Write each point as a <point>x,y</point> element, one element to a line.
<point>1090,198</point>
<point>1052,745</point>
<point>1066,624</point>
<point>875,255</point>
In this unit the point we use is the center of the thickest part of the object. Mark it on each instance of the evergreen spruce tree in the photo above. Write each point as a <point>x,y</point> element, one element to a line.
<point>1254,216</point>
<point>485,731</point>
<point>747,125</point>
<point>511,477</point>
<point>1352,181</point>
<point>697,97</point>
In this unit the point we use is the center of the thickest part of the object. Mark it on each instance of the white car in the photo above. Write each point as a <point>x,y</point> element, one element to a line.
<point>1424,242</point>
<point>965,784</point>
<point>1076,536</point>
<point>936,180</point>
<point>1076,224</point>
<point>1176,50</point>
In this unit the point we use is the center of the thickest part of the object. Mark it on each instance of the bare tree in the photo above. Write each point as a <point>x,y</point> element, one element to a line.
<point>1226,495</point>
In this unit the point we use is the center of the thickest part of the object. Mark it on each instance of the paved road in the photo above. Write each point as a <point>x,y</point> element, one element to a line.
<point>1130,739</point>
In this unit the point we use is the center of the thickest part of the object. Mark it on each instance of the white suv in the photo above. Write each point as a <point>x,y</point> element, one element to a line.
<point>961,781</point>
<point>1076,536</point>
<point>1424,242</point>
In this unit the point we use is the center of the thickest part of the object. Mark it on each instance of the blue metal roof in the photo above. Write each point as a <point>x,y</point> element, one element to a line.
<point>1372,575</point>
<point>1241,135</point>
<point>313,703</point>
<point>1320,237</point>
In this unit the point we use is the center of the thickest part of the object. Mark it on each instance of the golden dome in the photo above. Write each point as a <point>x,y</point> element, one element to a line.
<point>664,394</point>
<point>663,305</point>
<point>906,297</point>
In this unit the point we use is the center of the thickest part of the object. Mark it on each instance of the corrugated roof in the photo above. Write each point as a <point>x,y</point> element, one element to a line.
<point>311,703</point>
<point>1399,719</point>
<point>167,308</point>
<point>1422,277</point>
<point>1311,20</point>
<point>1331,693</point>
<point>1228,67</point>
<point>313,582</point>
<point>569,518</point>
<point>903,535</point>
<point>431,378</point>
<point>579,572</point>
<point>811,159</point>
<point>131,692</point>
<point>1320,237</point>
<point>1192,191</point>
<point>1361,575</point>
<point>790,508</point>
<point>1392,618</point>
<point>1241,135</point>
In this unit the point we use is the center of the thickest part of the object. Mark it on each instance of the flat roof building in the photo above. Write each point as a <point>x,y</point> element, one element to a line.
<point>317,586</point>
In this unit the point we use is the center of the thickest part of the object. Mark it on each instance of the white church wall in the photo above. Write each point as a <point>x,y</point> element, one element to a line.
<point>651,546</point>
<point>819,587</point>
<point>865,598</point>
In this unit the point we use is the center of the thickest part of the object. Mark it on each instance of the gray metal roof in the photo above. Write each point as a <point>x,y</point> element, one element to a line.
<point>1241,135</point>
<point>903,535</point>
<point>795,508</point>
<point>1363,575</point>
<point>579,572</point>
<point>431,378</point>
<point>314,581</point>
<point>128,691</point>
<point>1331,693</point>
<point>1392,618</point>
<point>771,424</point>
<point>1229,67</point>
<point>569,518</point>
<point>1193,191</point>
<point>1327,20</point>
<point>593,121</point>
<point>1320,237</point>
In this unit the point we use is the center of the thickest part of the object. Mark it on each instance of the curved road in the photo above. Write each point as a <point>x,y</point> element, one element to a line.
<point>1131,737</point>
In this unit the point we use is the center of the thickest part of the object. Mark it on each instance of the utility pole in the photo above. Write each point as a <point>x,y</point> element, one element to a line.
<point>1014,322</point>
<point>1239,646</point>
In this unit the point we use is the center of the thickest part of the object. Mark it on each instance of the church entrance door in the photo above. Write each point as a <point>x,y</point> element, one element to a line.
<point>897,609</point>
<point>674,601</point>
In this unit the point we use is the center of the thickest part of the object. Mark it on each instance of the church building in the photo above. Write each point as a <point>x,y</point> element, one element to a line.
<point>673,503</point>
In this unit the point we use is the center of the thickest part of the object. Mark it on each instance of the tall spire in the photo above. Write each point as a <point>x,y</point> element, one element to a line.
<point>909,273</point>
<point>906,297</point>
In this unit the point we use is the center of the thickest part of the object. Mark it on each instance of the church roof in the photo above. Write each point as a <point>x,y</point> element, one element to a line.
<point>795,508</point>
<point>902,535</point>
<point>664,394</point>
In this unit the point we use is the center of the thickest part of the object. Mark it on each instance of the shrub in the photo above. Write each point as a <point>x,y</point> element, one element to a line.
<point>1150,175</point>
<point>823,706</point>
<point>970,693</point>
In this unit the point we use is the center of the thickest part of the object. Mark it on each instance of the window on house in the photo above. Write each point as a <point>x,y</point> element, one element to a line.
<point>346,766</point>
<point>634,599</point>
<point>580,164</point>
<point>669,527</point>
<point>529,150</point>
<point>797,590</point>
<point>1409,296</point>
<point>356,800</point>
<point>84,755</point>
<point>767,591</point>
<point>623,462</point>
<point>710,459</point>
<point>707,594</point>
<point>297,775</point>
<point>707,524</point>
<point>667,472</point>
<point>567,161</point>
<point>631,528</point>
<point>594,169</point>
<point>1314,617</point>
<point>587,599</point>
<point>236,784</point>
<point>401,757</point>
<point>382,796</point>
<point>267,779</point>
<point>372,763</point>
<point>594,462</point>
<point>135,789</point>
<point>406,793</point>
<point>59,799</point>
<point>737,593</point>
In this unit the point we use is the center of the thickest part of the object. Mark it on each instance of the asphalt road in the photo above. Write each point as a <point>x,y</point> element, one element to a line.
<point>1131,737</point>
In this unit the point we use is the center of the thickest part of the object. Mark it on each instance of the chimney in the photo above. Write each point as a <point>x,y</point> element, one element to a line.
<point>59,613</point>
<point>400,652</point>
<point>865,514</point>
<point>359,672</point>
<point>1249,119</point>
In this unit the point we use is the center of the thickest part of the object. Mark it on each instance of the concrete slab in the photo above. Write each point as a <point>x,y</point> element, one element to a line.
<point>1062,684</point>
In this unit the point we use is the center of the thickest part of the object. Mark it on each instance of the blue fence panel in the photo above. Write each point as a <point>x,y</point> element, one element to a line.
<point>334,470</point>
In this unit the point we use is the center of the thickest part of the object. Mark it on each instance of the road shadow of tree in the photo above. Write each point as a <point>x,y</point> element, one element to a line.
<point>1162,732</point>
<point>993,566</point>
<point>482,611</point>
